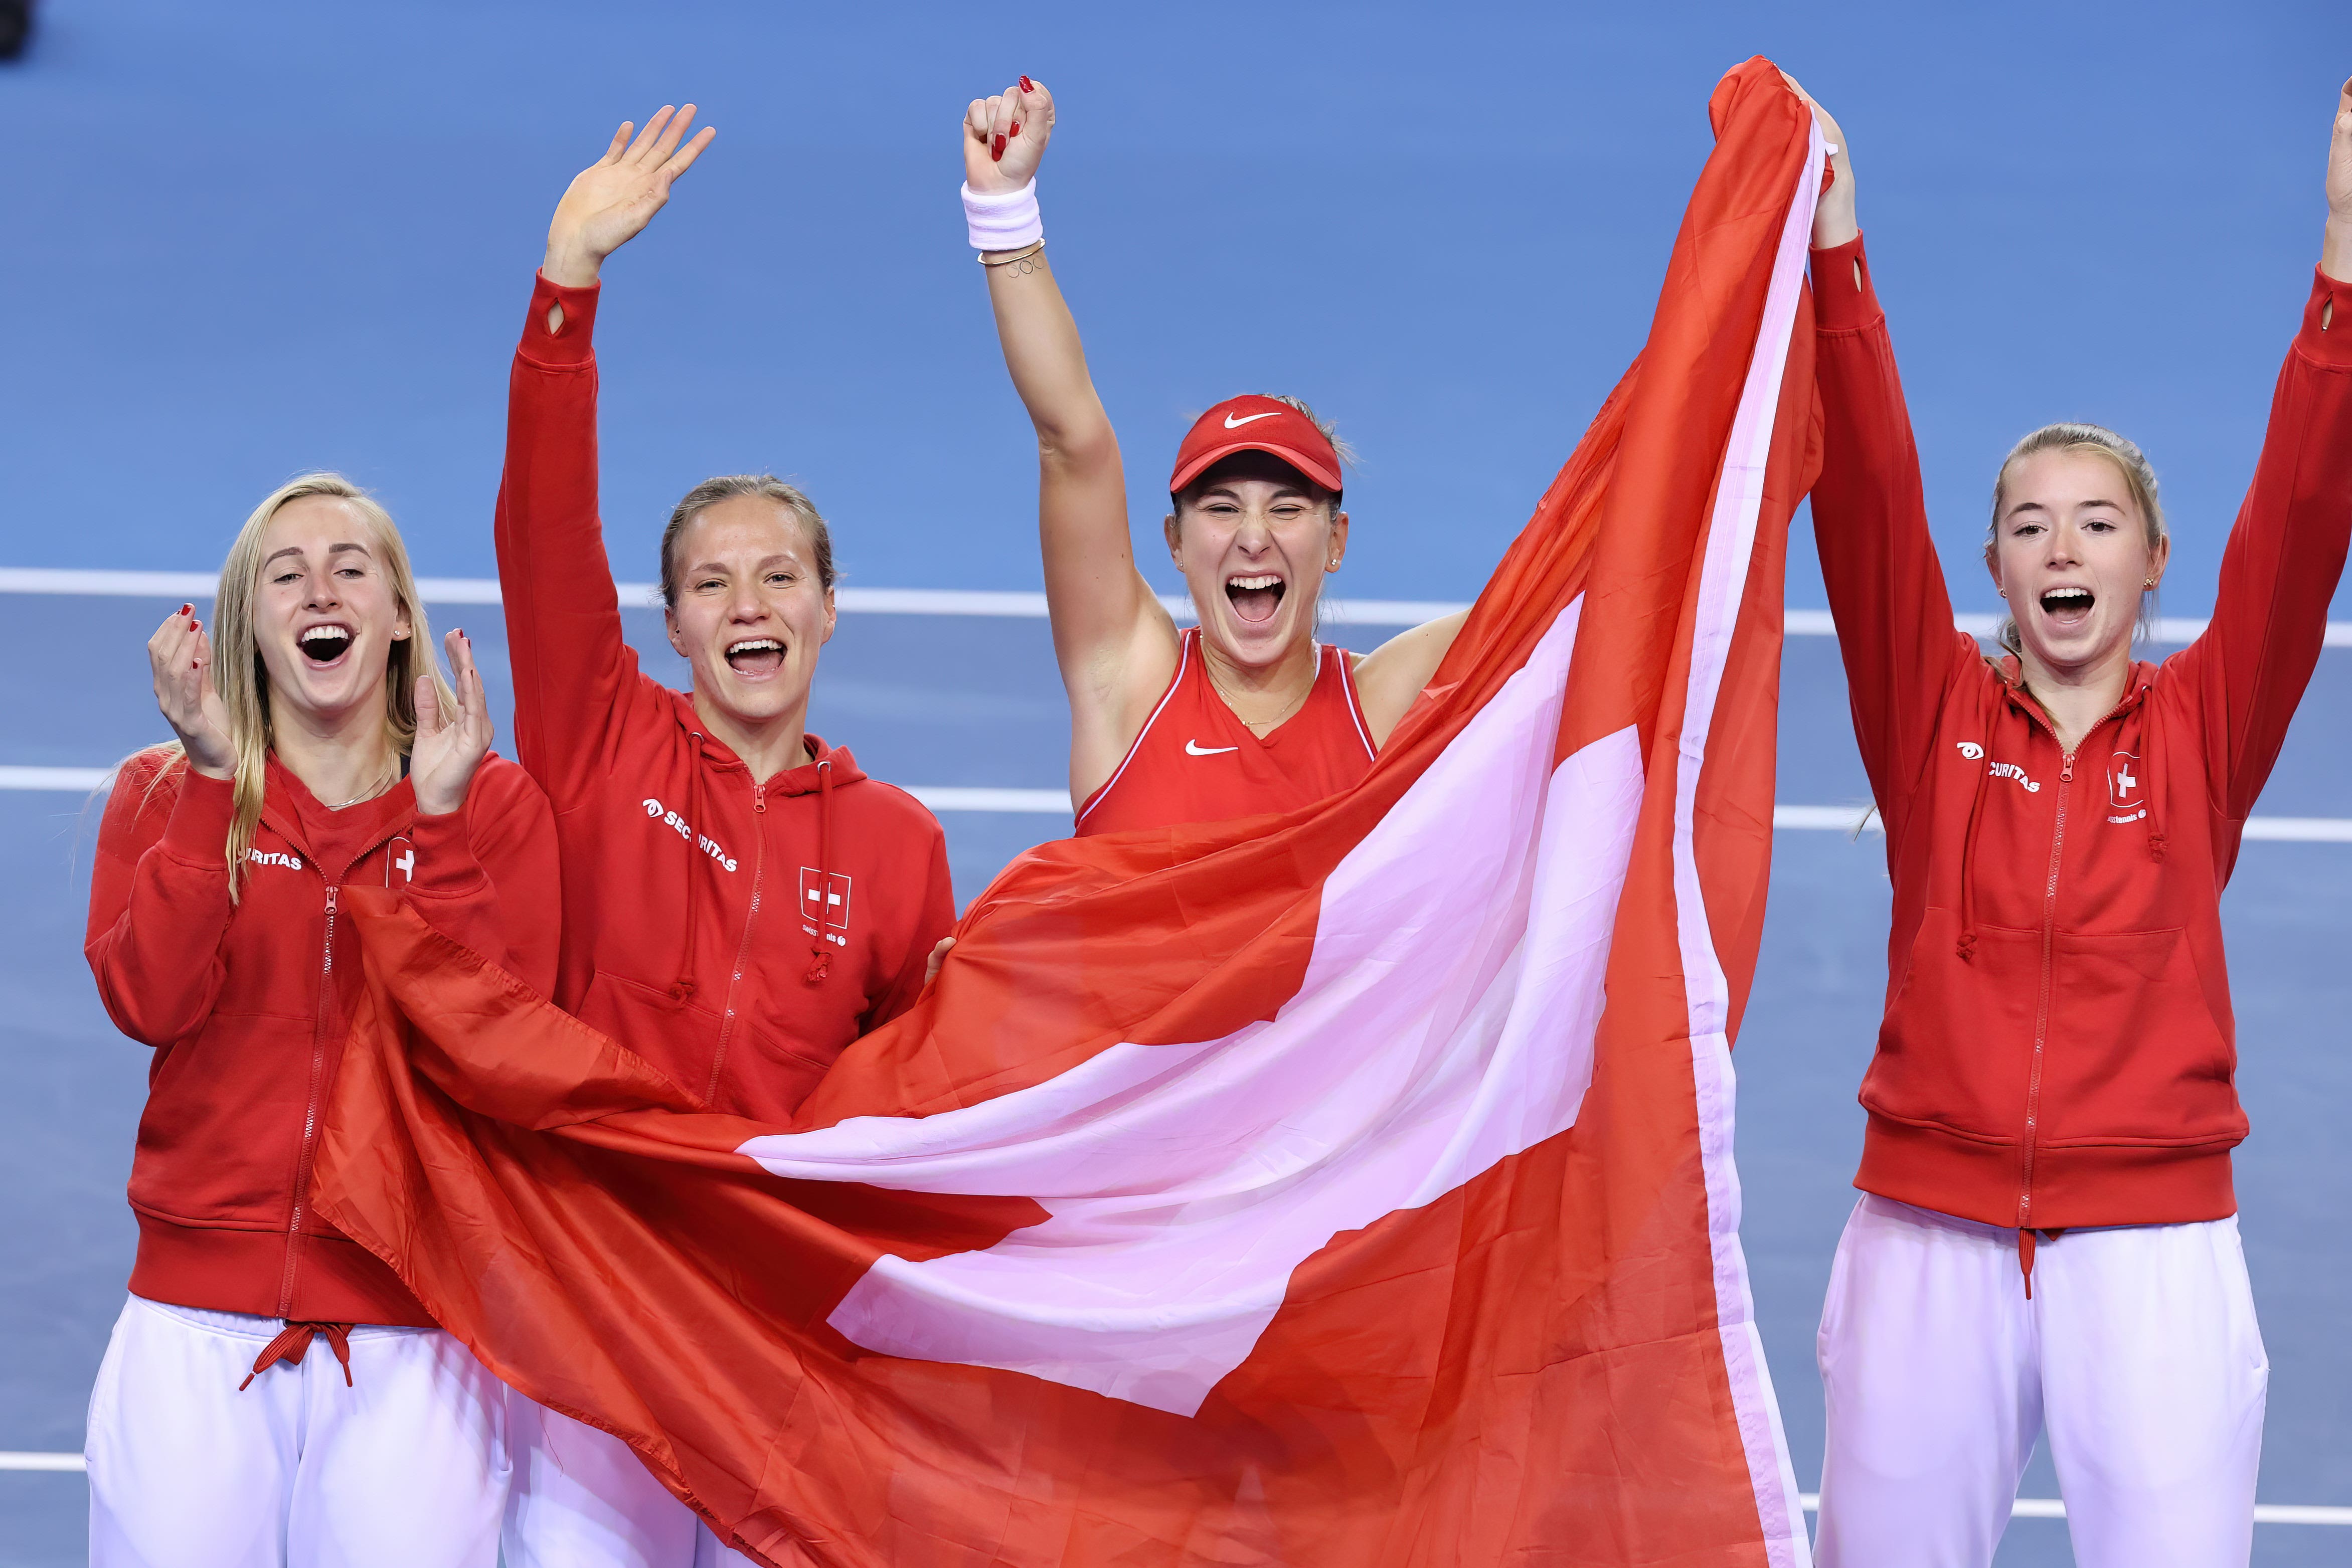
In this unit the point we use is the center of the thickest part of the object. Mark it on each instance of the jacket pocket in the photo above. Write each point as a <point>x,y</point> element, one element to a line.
<point>222,1128</point>
<point>678,1037</point>
<point>773,1071</point>
<point>1956,1049</point>
<point>2135,1053</point>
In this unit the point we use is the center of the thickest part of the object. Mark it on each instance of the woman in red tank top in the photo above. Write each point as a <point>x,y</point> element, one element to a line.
<point>1247,712</point>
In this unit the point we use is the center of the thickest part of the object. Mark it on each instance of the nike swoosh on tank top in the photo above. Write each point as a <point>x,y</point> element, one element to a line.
<point>1196,762</point>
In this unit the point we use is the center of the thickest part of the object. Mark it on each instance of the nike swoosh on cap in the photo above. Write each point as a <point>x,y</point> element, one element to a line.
<point>1195,749</point>
<point>1233,424</point>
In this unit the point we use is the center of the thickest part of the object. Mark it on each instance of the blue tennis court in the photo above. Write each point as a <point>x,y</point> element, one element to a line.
<point>242,243</point>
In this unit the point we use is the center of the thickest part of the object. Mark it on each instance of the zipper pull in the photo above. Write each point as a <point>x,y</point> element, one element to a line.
<point>330,901</point>
<point>760,798</point>
<point>2066,770</point>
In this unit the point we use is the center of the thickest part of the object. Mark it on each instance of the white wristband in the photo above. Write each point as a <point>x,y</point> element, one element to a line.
<point>1003,220</point>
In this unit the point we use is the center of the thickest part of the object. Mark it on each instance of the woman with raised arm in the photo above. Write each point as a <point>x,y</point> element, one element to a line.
<point>320,751</point>
<point>2047,1241</point>
<point>741,901</point>
<point>1246,712</point>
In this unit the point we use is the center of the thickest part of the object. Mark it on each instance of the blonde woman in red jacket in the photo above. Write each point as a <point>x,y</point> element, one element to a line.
<point>272,1392</point>
<point>2047,1244</point>
<point>740,900</point>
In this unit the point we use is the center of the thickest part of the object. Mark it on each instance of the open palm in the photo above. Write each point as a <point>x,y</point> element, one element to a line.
<point>612,199</point>
<point>449,746</point>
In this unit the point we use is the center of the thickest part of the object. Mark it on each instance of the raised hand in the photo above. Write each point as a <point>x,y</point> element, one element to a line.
<point>1834,219</point>
<point>2335,257</point>
<point>1005,136</point>
<point>615,197</point>
<point>449,746</point>
<point>182,657</point>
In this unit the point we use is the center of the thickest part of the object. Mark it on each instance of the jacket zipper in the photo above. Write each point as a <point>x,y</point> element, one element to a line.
<point>310,1109</point>
<point>743,948</point>
<point>2041,1002</point>
<point>2049,952</point>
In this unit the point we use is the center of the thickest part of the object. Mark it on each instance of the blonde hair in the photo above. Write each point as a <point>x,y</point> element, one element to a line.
<point>242,682</point>
<point>2091,441</point>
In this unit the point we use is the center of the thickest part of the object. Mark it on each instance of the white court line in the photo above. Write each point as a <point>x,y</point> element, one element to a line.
<point>2052,1508</point>
<point>2024,1508</point>
<point>1848,819</point>
<point>1336,610</point>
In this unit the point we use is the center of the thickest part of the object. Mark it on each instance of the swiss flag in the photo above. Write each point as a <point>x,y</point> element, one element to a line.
<point>1346,1188</point>
<point>824,898</point>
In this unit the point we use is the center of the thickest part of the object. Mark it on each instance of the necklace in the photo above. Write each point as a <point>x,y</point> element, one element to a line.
<point>370,792</point>
<point>1275,722</point>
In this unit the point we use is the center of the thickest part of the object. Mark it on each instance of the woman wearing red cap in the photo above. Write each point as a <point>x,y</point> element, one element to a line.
<point>1247,712</point>
<point>2046,1247</point>
<point>740,900</point>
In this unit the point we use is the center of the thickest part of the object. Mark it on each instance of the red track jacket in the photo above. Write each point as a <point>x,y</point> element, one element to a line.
<point>247,1007</point>
<point>2058,1048</point>
<point>735,935</point>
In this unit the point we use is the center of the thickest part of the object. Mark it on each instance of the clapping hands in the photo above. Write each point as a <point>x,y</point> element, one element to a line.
<point>449,745</point>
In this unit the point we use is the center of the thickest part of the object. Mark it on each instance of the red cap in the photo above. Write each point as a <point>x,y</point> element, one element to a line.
<point>1255,424</point>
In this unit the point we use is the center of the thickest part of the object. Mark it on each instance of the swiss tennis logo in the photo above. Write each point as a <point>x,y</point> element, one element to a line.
<point>399,855</point>
<point>825,902</point>
<point>2126,801</point>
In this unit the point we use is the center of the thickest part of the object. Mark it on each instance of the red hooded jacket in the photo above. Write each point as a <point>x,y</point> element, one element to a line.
<point>247,1007</point>
<point>2058,1048</point>
<point>737,935</point>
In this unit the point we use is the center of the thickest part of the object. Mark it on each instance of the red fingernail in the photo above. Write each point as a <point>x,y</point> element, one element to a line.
<point>1028,85</point>
<point>999,154</point>
<point>1017,128</point>
<point>187,610</point>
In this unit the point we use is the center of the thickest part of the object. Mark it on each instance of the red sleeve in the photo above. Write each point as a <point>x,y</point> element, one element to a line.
<point>2285,555</point>
<point>936,920</point>
<point>572,669</point>
<point>159,904</point>
<point>1870,519</point>
<point>487,874</point>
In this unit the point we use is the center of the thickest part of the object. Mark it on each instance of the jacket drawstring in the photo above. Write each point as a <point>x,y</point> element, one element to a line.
<point>682,988</point>
<point>2151,770</point>
<point>293,1342</point>
<point>1966,946</point>
<point>821,950</point>
<point>2025,1259</point>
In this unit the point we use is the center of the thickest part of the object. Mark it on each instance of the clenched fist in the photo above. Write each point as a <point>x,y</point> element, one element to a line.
<point>1005,136</point>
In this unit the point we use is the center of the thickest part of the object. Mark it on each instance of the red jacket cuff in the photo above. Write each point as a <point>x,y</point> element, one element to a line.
<point>197,830</point>
<point>1843,300</point>
<point>571,346</point>
<point>2330,345</point>
<point>446,864</point>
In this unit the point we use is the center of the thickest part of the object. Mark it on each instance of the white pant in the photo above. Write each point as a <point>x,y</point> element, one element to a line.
<point>406,1467</point>
<point>581,1498</point>
<point>2138,1355</point>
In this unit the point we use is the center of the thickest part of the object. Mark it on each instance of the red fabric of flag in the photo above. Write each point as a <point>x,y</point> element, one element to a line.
<point>1344,1188</point>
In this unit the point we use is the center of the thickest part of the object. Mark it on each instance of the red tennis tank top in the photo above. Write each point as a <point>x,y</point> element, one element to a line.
<point>1195,762</point>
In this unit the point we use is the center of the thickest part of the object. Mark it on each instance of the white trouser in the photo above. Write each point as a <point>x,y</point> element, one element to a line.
<point>405,1467</point>
<point>581,1498</point>
<point>2138,1356</point>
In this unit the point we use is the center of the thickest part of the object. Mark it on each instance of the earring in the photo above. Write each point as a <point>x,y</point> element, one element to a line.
<point>2002,591</point>
<point>2150,582</point>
